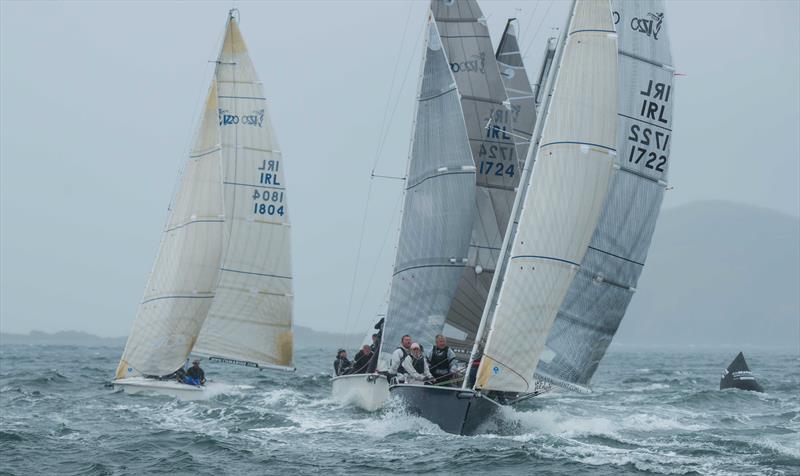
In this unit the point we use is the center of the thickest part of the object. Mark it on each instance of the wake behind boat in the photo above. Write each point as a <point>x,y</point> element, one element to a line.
<point>221,286</point>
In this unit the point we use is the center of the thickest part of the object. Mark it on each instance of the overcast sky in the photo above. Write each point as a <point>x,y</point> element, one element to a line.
<point>98,102</point>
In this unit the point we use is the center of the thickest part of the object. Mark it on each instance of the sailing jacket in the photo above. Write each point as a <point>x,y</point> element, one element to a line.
<point>417,370</point>
<point>342,366</point>
<point>397,357</point>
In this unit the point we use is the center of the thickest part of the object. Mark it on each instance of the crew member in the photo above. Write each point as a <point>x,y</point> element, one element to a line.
<point>195,375</point>
<point>442,361</point>
<point>416,367</point>
<point>399,354</point>
<point>361,361</point>
<point>342,365</point>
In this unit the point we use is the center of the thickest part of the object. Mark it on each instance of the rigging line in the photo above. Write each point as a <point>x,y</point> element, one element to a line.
<point>538,28</point>
<point>533,15</point>
<point>391,87</point>
<point>377,259</point>
<point>358,260</point>
<point>399,96</point>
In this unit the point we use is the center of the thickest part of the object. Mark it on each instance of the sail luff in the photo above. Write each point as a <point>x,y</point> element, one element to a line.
<point>601,292</point>
<point>567,189</point>
<point>250,319</point>
<point>437,210</point>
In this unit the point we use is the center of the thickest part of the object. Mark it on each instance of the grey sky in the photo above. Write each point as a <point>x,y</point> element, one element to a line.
<point>97,103</point>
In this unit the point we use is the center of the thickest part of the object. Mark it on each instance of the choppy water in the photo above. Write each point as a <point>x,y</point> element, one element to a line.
<point>651,413</point>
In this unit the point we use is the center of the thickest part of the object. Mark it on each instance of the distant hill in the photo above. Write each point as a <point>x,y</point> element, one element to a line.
<point>304,338</point>
<point>719,273</point>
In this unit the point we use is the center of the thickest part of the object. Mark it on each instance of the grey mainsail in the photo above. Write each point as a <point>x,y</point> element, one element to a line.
<point>598,297</point>
<point>470,56</point>
<point>438,207</point>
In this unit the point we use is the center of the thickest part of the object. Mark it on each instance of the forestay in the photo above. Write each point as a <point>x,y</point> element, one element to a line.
<point>488,117</point>
<point>600,294</point>
<point>438,207</point>
<point>564,199</point>
<point>251,316</point>
<point>181,285</point>
<point>518,89</point>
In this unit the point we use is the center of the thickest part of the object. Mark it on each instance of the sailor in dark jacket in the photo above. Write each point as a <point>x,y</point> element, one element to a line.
<point>195,375</point>
<point>362,358</point>
<point>342,365</point>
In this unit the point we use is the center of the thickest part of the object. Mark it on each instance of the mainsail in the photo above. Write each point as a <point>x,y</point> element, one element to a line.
<point>251,316</point>
<point>181,286</point>
<point>438,207</point>
<point>518,89</point>
<point>598,297</point>
<point>221,284</point>
<point>489,121</point>
<point>562,205</point>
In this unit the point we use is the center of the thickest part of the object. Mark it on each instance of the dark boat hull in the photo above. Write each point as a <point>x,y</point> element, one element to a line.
<point>455,410</point>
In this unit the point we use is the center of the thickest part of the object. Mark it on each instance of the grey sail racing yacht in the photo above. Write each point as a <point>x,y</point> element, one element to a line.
<point>581,222</point>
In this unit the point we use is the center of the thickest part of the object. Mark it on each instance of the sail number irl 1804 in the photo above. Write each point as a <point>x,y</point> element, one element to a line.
<point>269,200</point>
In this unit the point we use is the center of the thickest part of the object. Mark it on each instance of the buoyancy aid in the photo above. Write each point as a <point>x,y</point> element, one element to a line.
<point>439,362</point>
<point>400,369</point>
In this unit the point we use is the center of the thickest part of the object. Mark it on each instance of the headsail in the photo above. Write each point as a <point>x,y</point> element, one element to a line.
<point>600,294</point>
<point>518,89</point>
<point>181,286</point>
<point>438,207</point>
<point>564,199</point>
<point>251,316</point>
<point>471,59</point>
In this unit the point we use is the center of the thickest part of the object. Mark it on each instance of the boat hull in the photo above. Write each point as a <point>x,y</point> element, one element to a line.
<point>455,410</point>
<point>134,385</point>
<point>366,391</point>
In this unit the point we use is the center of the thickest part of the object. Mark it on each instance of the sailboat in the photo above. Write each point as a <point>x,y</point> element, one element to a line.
<point>221,285</point>
<point>474,117</point>
<point>738,375</point>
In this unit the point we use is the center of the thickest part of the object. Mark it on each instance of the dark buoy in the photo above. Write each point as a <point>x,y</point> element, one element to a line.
<point>738,375</point>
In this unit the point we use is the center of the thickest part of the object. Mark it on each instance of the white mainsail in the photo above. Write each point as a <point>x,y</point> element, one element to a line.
<point>221,284</point>
<point>251,316</point>
<point>564,199</point>
<point>181,286</point>
<point>489,121</point>
<point>438,207</point>
<point>598,297</point>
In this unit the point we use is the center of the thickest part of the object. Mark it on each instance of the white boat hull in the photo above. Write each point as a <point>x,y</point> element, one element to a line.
<point>366,391</point>
<point>182,391</point>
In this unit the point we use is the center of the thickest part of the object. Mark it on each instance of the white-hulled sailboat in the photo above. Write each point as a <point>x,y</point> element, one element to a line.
<point>221,286</point>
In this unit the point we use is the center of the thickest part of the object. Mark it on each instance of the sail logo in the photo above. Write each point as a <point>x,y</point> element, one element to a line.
<point>476,65</point>
<point>254,119</point>
<point>650,26</point>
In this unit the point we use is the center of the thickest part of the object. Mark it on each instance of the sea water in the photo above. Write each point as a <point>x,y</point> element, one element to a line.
<point>650,413</point>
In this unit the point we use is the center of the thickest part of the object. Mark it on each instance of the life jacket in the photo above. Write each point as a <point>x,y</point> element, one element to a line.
<point>419,364</point>
<point>439,363</point>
